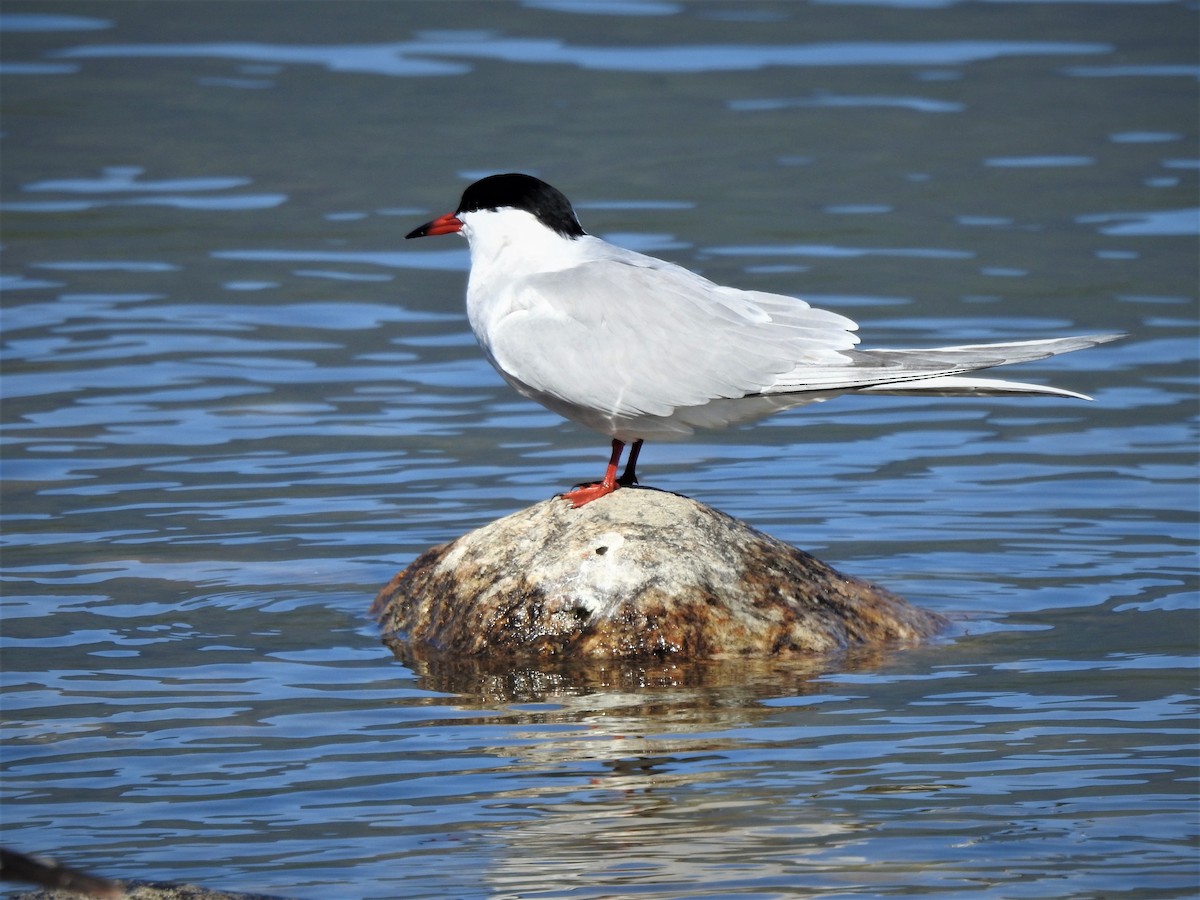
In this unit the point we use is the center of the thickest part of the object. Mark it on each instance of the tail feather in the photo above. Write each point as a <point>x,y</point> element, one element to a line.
<point>932,372</point>
<point>969,357</point>
<point>952,386</point>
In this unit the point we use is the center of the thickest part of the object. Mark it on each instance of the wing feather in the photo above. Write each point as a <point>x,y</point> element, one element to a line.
<point>635,347</point>
<point>581,334</point>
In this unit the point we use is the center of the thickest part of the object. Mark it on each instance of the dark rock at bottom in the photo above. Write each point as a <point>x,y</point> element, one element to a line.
<point>59,882</point>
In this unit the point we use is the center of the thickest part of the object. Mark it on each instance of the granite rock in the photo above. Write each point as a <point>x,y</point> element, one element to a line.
<point>639,573</point>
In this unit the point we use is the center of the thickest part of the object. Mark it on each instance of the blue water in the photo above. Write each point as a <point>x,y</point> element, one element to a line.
<point>236,402</point>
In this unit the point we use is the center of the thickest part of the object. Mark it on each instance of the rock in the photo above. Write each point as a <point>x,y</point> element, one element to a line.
<point>147,890</point>
<point>639,573</point>
<point>61,882</point>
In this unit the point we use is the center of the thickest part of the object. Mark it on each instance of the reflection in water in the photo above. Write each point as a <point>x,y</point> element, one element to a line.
<point>587,686</point>
<point>645,775</point>
<point>412,59</point>
<point>175,193</point>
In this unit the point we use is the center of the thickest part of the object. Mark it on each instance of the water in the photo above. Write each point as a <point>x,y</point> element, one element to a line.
<point>236,402</point>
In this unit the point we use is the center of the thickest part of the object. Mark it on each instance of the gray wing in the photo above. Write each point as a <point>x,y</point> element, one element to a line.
<point>634,336</point>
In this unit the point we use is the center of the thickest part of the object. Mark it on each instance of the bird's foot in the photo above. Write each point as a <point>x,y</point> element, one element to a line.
<point>586,493</point>
<point>627,480</point>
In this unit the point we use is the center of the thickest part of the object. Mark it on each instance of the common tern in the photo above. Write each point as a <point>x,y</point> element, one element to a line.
<point>641,349</point>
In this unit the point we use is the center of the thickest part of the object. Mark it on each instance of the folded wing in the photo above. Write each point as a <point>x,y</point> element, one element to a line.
<point>627,336</point>
<point>582,335</point>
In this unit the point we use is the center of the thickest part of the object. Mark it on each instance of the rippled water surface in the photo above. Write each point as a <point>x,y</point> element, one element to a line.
<point>236,402</point>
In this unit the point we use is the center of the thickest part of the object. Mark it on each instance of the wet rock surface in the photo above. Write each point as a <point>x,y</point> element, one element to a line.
<point>145,890</point>
<point>59,882</point>
<point>637,574</point>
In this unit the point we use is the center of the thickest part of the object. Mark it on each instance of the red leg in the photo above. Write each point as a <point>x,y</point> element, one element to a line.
<point>629,476</point>
<point>589,492</point>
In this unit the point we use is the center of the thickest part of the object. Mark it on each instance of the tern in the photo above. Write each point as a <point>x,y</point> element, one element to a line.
<point>642,349</point>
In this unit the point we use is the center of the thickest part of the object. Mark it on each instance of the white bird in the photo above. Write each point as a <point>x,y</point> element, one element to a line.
<point>639,348</point>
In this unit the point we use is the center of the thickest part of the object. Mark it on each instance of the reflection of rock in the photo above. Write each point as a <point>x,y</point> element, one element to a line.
<point>670,778</point>
<point>636,574</point>
<point>678,832</point>
<point>484,682</point>
<point>627,695</point>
